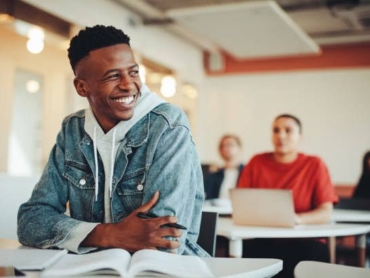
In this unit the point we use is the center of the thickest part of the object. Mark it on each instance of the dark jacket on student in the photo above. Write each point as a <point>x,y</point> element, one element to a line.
<point>213,182</point>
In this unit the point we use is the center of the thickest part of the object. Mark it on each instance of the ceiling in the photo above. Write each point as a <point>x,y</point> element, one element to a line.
<point>254,29</point>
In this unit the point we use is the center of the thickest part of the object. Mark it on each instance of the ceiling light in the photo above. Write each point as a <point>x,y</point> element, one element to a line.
<point>6,18</point>
<point>168,86</point>
<point>142,73</point>
<point>189,91</point>
<point>32,86</point>
<point>35,44</point>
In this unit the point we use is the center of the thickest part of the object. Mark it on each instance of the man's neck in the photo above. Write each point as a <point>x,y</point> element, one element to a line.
<point>285,157</point>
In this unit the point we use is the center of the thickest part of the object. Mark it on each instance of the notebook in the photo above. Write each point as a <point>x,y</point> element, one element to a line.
<point>262,207</point>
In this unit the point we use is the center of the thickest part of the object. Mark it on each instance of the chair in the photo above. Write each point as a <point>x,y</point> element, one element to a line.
<point>345,245</point>
<point>309,269</point>
<point>207,232</point>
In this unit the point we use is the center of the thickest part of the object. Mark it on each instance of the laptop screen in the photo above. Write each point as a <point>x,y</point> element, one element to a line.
<point>262,207</point>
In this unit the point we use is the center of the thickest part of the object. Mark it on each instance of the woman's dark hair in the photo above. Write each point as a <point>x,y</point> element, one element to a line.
<point>92,38</point>
<point>294,118</point>
<point>362,189</point>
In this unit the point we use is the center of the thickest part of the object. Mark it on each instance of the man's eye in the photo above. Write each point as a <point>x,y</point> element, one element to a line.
<point>134,73</point>
<point>113,76</point>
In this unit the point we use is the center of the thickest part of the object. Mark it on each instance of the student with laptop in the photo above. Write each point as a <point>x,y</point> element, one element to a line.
<point>313,194</point>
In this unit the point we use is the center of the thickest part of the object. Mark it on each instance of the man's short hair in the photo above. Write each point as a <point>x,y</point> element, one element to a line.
<point>92,38</point>
<point>294,118</point>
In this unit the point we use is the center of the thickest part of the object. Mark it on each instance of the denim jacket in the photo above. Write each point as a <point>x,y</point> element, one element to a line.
<point>158,152</point>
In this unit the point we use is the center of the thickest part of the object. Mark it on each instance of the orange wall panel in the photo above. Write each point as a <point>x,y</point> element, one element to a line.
<point>331,57</point>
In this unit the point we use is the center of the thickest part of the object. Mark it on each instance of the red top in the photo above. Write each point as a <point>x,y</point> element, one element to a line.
<point>307,176</point>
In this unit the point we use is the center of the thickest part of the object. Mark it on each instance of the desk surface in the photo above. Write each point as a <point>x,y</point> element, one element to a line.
<point>339,215</point>
<point>348,215</point>
<point>221,267</point>
<point>227,228</point>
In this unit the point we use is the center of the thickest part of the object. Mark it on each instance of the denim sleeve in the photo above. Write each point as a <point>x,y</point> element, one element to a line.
<point>176,173</point>
<point>42,222</point>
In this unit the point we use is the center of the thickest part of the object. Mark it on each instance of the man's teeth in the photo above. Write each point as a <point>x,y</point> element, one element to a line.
<point>125,100</point>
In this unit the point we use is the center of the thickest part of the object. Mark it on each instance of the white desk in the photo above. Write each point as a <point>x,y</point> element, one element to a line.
<point>236,234</point>
<point>221,267</point>
<point>348,215</point>
<point>339,215</point>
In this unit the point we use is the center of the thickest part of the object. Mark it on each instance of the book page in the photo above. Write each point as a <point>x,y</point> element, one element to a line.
<point>25,258</point>
<point>157,263</point>
<point>100,262</point>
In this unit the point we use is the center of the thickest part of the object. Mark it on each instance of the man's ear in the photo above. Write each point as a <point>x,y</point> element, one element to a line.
<point>81,87</point>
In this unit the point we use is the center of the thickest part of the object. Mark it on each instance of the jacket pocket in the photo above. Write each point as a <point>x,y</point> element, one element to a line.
<point>79,175</point>
<point>81,191</point>
<point>130,189</point>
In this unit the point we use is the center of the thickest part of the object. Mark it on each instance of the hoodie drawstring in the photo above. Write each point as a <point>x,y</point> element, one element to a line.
<point>96,166</point>
<point>112,162</point>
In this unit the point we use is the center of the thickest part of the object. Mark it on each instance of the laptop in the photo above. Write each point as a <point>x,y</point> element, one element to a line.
<point>262,207</point>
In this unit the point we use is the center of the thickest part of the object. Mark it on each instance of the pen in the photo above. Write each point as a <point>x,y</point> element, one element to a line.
<point>150,215</point>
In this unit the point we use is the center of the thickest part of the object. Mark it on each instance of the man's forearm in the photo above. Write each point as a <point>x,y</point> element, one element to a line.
<point>99,237</point>
<point>318,215</point>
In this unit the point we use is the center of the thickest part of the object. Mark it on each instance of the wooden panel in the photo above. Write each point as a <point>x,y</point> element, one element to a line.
<point>344,190</point>
<point>339,56</point>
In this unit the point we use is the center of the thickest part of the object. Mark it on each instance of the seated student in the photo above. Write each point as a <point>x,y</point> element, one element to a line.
<point>313,193</point>
<point>217,184</point>
<point>119,157</point>
<point>362,189</point>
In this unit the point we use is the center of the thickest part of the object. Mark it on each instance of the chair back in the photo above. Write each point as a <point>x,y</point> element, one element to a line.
<point>309,269</point>
<point>207,232</point>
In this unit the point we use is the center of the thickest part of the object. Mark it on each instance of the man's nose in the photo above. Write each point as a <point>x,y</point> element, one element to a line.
<point>126,84</point>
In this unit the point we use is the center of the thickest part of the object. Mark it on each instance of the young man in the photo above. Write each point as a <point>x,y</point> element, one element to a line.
<point>129,152</point>
<point>313,193</point>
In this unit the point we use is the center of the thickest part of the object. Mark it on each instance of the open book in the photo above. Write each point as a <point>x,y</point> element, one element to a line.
<point>145,263</point>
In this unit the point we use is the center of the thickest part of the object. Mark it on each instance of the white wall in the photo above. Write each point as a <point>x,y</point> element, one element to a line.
<point>333,106</point>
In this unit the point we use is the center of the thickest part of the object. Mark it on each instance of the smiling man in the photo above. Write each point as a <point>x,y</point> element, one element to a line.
<point>313,193</point>
<point>119,157</point>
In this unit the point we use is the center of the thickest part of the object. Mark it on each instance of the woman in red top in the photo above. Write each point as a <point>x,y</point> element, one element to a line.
<point>313,193</point>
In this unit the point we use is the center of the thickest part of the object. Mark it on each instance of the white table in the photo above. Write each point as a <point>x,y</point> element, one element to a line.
<point>339,215</point>
<point>236,233</point>
<point>348,215</point>
<point>221,267</point>
<point>353,216</point>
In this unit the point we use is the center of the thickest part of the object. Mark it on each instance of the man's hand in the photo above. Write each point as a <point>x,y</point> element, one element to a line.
<point>134,233</point>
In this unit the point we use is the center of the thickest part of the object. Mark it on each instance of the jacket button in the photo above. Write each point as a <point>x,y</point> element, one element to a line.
<point>82,181</point>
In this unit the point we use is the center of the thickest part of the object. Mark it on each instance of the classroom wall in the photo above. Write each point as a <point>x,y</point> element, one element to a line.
<point>332,104</point>
<point>53,70</point>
